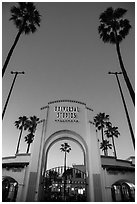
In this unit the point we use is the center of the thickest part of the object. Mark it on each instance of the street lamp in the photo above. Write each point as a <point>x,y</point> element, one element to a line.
<point>16,73</point>
<point>124,103</point>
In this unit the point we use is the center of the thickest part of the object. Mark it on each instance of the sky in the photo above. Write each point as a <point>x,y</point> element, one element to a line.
<point>66,59</point>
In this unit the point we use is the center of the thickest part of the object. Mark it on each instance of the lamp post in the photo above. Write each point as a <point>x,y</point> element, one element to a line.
<point>124,103</point>
<point>15,76</point>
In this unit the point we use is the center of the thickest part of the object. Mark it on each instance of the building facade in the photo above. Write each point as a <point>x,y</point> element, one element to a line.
<point>103,178</point>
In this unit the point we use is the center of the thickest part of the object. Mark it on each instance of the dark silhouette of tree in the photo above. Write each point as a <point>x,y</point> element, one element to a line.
<point>105,145</point>
<point>26,18</point>
<point>112,132</point>
<point>20,124</point>
<point>113,29</point>
<point>31,126</point>
<point>100,123</point>
<point>53,175</point>
<point>29,139</point>
<point>52,180</point>
<point>66,149</point>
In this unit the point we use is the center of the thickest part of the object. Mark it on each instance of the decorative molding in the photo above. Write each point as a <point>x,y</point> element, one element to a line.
<point>43,120</point>
<point>66,100</point>
<point>44,107</point>
<point>111,168</point>
<point>10,157</point>
<point>15,165</point>
<point>89,108</point>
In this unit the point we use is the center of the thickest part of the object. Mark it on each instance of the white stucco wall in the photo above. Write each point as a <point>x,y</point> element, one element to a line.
<point>19,174</point>
<point>109,178</point>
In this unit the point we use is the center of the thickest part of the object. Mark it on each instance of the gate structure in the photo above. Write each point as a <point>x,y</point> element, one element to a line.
<point>59,185</point>
<point>69,120</point>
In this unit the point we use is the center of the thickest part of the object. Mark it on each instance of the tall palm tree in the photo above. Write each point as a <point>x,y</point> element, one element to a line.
<point>66,149</point>
<point>100,123</point>
<point>113,29</point>
<point>112,132</point>
<point>31,126</point>
<point>26,18</point>
<point>20,124</point>
<point>105,145</point>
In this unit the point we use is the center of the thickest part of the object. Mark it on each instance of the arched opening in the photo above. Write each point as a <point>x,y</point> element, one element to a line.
<point>60,181</point>
<point>9,189</point>
<point>123,191</point>
<point>56,157</point>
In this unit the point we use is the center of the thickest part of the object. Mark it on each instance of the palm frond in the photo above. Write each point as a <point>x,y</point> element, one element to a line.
<point>112,27</point>
<point>29,138</point>
<point>65,147</point>
<point>107,15</point>
<point>105,145</point>
<point>119,12</point>
<point>20,123</point>
<point>25,17</point>
<point>112,131</point>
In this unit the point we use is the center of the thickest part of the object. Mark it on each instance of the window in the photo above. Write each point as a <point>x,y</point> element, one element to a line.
<point>123,191</point>
<point>9,189</point>
<point>78,175</point>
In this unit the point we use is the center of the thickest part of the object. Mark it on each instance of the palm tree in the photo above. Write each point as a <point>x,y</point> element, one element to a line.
<point>20,124</point>
<point>29,139</point>
<point>100,123</point>
<point>112,132</point>
<point>26,18</point>
<point>105,145</point>
<point>31,126</point>
<point>113,29</point>
<point>66,149</point>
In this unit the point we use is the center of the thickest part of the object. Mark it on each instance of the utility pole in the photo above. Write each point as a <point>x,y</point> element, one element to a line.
<point>124,103</point>
<point>15,76</point>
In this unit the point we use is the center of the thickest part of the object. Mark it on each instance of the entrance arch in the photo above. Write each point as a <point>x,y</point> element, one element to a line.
<point>59,136</point>
<point>62,135</point>
<point>9,189</point>
<point>66,119</point>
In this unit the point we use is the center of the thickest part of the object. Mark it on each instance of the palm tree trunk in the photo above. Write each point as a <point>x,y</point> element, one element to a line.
<point>28,148</point>
<point>7,101</point>
<point>105,152</point>
<point>131,91</point>
<point>102,134</point>
<point>10,52</point>
<point>13,47</point>
<point>114,147</point>
<point>126,111</point>
<point>65,176</point>
<point>17,151</point>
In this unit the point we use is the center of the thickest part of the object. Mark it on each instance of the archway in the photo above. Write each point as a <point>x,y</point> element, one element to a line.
<point>66,119</point>
<point>9,189</point>
<point>56,156</point>
<point>75,185</point>
<point>123,191</point>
